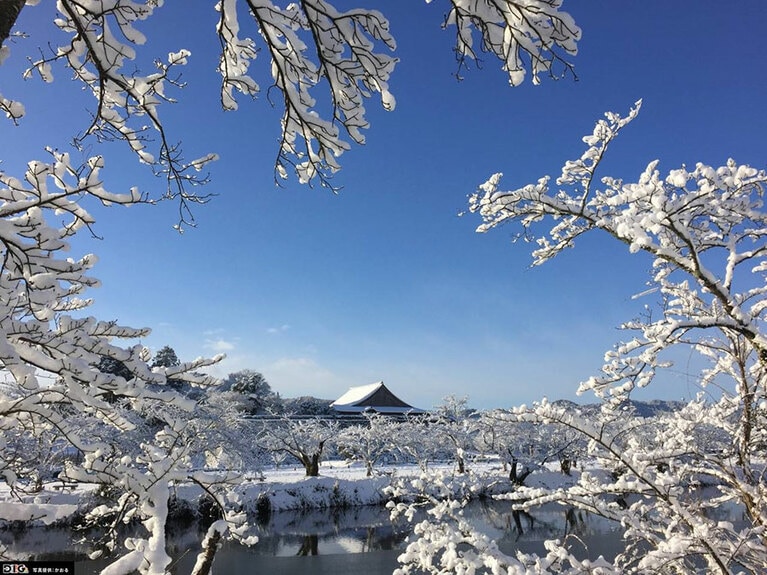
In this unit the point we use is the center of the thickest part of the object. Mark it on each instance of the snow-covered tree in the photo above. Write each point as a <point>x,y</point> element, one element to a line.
<point>304,439</point>
<point>249,391</point>
<point>563,444</point>
<point>325,63</point>
<point>456,429</point>
<point>49,353</point>
<point>165,357</point>
<point>417,441</point>
<point>243,392</point>
<point>513,442</point>
<point>705,230</point>
<point>308,405</point>
<point>371,441</point>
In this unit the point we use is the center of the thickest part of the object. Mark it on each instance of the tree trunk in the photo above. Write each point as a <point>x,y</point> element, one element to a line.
<point>314,468</point>
<point>203,566</point>
<point>311,464</point>
<point>517,516</point>
<point>9,12</point>
<point>515,477</point>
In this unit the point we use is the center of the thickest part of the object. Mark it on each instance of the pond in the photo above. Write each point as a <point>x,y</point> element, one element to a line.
<point>353,541</point>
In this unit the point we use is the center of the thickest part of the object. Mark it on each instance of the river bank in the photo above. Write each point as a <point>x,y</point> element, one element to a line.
<point>287,511</point>
<point>340,484</point>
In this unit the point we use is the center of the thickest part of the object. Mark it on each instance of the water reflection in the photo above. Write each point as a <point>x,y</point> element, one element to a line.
<point>331,531</point>
<point>589,536</point>
<point>310,546</point>
<point>356,540</point>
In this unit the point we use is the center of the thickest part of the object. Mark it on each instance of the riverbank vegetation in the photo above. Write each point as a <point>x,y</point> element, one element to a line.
<point>412,466</point>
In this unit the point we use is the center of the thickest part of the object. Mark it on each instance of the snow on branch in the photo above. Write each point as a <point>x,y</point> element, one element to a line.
<point>102,45</point>
<point>532,34</point>
<point>325,63</point>
<point>705,229</point>
<point>311,43</point>
<point>12,110</point>
<point>129,429</point>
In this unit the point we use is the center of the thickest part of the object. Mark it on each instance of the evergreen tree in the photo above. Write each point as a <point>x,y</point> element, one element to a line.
<point>166,357</point>
<point>252,392</point>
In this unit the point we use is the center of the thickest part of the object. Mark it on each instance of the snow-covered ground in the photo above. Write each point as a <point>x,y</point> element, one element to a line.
<point>340,484</point>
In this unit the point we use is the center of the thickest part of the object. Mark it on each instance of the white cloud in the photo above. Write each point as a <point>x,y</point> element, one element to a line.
<point>282,329</point>
<point>212,332</point>
<point>297,376</point>
<point>219,345</point>
<point>289,376</point>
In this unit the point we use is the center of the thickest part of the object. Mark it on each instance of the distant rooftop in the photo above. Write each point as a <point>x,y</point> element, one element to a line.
<point>374,397</point>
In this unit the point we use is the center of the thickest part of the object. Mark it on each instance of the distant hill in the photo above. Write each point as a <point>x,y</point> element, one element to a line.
<point>308,405</point>
<point>641,408</point>
<point>656,407</point>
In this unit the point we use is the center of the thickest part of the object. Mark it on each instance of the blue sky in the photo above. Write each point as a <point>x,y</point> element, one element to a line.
<point>384,281</point>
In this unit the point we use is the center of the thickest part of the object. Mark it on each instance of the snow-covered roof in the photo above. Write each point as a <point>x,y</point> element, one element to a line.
<point>372,397</point>
<point>357,394</point>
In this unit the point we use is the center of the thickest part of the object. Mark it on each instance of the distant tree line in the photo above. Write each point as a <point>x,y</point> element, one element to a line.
<point>246,391</point>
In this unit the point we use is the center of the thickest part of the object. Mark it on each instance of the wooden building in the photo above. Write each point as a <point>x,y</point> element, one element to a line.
<point>374,397</point>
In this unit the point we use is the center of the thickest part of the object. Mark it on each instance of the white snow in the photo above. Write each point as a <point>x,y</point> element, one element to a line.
<point>286,488</point>
<point>356,394</point>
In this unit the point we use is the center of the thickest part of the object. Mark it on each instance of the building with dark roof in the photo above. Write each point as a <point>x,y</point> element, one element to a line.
<point>374,397</point>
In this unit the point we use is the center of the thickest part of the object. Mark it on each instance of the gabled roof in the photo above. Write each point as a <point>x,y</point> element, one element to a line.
<point>372,397</point>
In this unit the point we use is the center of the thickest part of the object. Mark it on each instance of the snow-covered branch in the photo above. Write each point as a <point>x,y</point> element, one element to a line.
<point>535,35</point>
<point>131,433</point>
<point>325,63</point>
<point>705,230</point>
